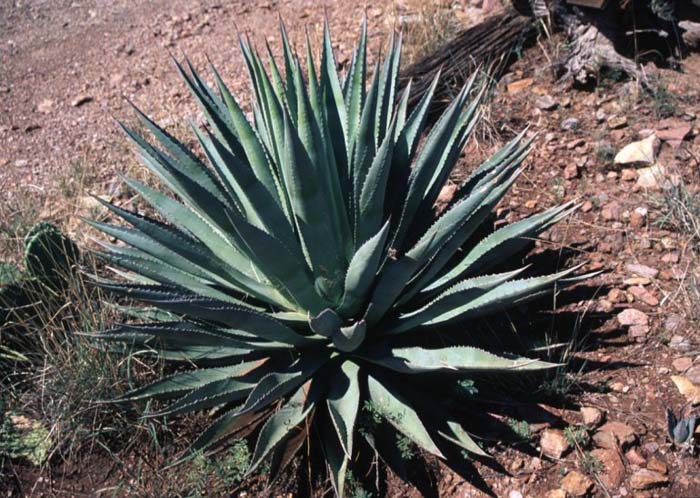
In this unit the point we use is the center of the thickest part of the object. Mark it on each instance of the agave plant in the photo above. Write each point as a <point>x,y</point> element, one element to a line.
<point>301,269</point>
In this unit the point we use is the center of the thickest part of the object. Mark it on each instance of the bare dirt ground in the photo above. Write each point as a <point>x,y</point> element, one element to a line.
<point>68,69</point>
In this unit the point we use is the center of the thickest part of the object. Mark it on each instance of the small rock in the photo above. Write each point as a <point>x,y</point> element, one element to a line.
<point>80,100</point>
<point>531,204</point>
<point>515,494</point>
<point>631,316</point>
<point>651,177</point>
<point>680,343</point>
<point>642,270</point>
<point>635,458</point>
<point>592,417</point>
<point>638,217</point>
<point>643,151</point>
<point>519,85</point>
<point>623,433</point>
<point>576,484</point>
<point>647,479</point>
<point>21,163</point>
<point>546,103</point>
<point>693,375</point>
<point>553,443</point>
<point>657,465</point>
<point>571,172</point>
<point>45,106</point>
<point>643,295</point>
<point>682,364</point>
<point>587,206</point>
<point>638,332</point>
<point>616,122</point>
<point>570,124</point>
<point>611,211</point>
<point>673,131</point>
<point>613,467</point>
<point>617,387</point>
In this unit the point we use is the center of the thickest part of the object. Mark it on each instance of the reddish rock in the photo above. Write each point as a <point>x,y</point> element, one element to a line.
<point>576,484</point>
<point>553,443</point>
<point>622,435</point>
<point>643,295</point>
<point>571,172</point>
<point>682,364</point>
<point>613,467</point>
<point>642,270</point>
<point>592,417</point>
<point>611,211</point>
<point>657,465</point>
<point>647,479</point>
<point>631,316</point>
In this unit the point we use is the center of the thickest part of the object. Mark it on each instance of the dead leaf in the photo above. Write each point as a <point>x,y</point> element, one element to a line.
<point>687,388</point>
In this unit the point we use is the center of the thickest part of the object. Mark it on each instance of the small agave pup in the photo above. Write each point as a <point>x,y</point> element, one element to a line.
<point>303,272</point>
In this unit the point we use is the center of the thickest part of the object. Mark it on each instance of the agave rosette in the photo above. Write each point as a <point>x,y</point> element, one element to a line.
<point>301,269</point>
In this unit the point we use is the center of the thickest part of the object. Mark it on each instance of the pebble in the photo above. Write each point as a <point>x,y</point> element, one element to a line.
<point>553,443</point>
<point>615,122</point>
<point>571,172</point>
<point>576,484</point>
<point>613,467</point>
<point>642,270</point>
<point>631,316</point>
<point>641,152</point>
<point>680,343</point>
<point>682,364</point>
<point>611,211</point>
<point>592,417</point>
<point>647,479</point>
<point>570,124</point>
<point>546,103</point>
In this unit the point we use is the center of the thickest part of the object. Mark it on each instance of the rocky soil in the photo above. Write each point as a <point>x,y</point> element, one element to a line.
<point>70,69</point>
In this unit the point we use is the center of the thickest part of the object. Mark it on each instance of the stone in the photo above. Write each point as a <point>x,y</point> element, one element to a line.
<point>642,270</point>
<point>605,440</point>
<point>515,494</point>
<point>586,207</point>
<point>680,343</point>
<point>638,217</point>
<point>631,316</point>
<point>519,85</point>
<point>643,295</point>
<point>638,332</point>
<point>647,479</point>
<point>611,211</point>
<point>673,131</point>
<point>623,433</point>
<point>592,417</point>
<point>81,100</point>
<point>682,364</point>
<point>640,152</point>
<point>693,374</point>
<point>571,172</point>
<point>635,458</point>
<point>553,443</point>
<point>45,106</point>
<point>576,484</point>
<point>546,103</point>
<point>651,177</point>
<point>570,124</point>
<point>617,387</point>
<point>616,122</point>
<point>613,467</point>
<point>657,465</point>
